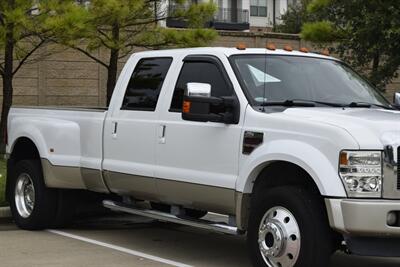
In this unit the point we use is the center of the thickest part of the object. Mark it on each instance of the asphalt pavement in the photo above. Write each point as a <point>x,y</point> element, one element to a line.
<point>117,240</point>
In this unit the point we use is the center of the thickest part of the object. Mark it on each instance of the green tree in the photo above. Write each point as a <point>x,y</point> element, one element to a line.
<point>22,30</point>
<point>364,33</point>
<point>294,18</point>
<point>121,26</point>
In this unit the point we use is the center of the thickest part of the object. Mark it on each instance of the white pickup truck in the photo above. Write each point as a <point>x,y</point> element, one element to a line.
<point>295,148</point>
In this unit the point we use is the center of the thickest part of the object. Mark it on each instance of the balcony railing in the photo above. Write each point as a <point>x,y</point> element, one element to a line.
<point>224,19</point>
<point>232,15</point>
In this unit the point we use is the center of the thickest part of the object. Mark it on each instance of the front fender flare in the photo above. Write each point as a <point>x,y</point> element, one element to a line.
<point>322,168</point>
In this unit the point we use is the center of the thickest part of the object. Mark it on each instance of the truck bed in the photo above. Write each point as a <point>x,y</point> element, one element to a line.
<point>65,136</point>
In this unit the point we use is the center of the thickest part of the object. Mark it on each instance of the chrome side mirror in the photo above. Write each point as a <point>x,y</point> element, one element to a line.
<point>396,99</point>
<point>199,105</point>
<point>198,90</point>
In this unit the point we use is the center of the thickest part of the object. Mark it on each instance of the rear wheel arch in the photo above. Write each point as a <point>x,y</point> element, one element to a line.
<point>22,149</point>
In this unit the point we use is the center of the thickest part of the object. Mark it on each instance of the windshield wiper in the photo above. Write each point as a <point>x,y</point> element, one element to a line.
<point>300,103</point>
<point>289,103</point>
<point>367,105</point>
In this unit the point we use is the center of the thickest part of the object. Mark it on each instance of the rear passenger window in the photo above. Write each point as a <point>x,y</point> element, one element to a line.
<point>200,72</point>
<point>145,84</point>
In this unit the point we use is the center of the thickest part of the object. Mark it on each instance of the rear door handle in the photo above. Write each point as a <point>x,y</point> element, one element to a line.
<point>114,129</point>
<point>161,134</point>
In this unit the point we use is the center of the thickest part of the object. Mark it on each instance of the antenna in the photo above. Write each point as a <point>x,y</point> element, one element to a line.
<point>269,46</point>
<point>265,80</point>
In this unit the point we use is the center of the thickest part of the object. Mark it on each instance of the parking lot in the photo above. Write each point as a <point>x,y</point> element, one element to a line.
<point>135,241</point>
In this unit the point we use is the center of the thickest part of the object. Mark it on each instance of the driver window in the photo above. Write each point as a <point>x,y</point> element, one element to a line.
<point>200,72</point>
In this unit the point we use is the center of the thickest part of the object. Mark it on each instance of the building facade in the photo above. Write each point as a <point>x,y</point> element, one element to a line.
<point>240,15</point>
<point>235,15</point>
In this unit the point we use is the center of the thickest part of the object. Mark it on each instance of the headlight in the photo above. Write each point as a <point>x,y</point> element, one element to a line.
<point>361,172</point>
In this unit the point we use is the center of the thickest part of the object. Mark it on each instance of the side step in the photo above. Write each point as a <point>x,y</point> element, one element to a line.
<point>162,216</point>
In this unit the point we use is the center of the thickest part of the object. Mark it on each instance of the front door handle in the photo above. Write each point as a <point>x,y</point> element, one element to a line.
<point>161,134</point>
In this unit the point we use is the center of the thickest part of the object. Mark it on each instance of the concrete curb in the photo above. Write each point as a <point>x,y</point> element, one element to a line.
<point>5,212</point>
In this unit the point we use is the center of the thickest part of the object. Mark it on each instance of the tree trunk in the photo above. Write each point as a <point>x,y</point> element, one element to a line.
<point>113,65</point>
<point>7,84</point>
<point>375,68</point>
<point>112,74</point>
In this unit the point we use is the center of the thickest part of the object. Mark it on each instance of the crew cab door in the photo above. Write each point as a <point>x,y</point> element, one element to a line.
<point>197,162</point>
<point>130,129</point>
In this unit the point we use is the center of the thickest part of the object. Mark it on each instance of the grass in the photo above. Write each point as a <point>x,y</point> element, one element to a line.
<point>3,175</point>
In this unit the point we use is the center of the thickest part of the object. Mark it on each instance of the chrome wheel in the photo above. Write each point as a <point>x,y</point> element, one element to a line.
<point>24,195</point>
<point>279,238</point>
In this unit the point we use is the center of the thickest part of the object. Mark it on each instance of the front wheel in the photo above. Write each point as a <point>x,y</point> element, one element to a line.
<point>288,227</point>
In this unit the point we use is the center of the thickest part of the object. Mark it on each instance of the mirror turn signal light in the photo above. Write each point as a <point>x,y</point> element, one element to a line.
<point>241,46</point>
<point>271,46</point>
<point>186,106</point>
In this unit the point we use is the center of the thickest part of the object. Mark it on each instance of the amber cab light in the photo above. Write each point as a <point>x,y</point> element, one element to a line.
<point>304,50</point>
<point>271,46</point>
<point>325,52</point>
<point>241,46</point>
<point>288,48</point>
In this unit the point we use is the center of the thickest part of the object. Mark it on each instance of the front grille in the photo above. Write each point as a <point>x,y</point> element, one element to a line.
<point>398,165</point>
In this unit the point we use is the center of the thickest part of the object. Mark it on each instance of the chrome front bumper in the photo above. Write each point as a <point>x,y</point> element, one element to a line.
<point>359,217</point>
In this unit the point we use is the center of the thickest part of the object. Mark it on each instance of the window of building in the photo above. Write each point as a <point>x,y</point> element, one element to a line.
<point>145,84</point>
<point>200,72</point>
<point>258,8</point>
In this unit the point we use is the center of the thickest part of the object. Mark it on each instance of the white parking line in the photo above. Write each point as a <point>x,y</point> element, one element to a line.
<point>121,249</point>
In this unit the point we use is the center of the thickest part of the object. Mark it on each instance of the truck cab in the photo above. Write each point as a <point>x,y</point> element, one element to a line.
<point>296,148</point>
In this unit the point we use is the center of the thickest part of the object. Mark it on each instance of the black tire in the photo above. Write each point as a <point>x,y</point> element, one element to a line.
<point>316,242</point>
<point>45,203</point>
<point>66,208</point>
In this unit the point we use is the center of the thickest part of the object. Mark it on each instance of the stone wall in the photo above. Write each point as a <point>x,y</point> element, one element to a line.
<point>70,78</point>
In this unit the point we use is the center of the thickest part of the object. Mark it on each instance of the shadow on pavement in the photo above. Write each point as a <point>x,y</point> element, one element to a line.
<point>192,246</point>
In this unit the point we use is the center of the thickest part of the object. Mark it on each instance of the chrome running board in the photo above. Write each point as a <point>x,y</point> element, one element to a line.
<point>162,216</point>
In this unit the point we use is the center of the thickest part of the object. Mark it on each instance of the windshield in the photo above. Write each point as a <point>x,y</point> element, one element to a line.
<point>274,79</point>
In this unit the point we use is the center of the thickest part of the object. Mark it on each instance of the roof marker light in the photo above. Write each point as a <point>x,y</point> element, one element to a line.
<point>304,50</point>
<point>271,46</point>
<point>325,52</point>
<point>241,46</point>
<point>288,48</point>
